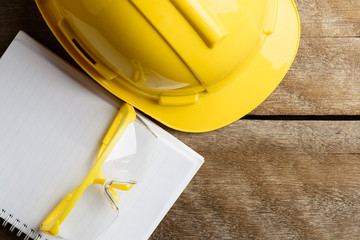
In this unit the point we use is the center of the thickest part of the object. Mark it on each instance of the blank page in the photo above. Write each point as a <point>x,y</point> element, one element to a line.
<point>145,205</point>
<point>52,121</point>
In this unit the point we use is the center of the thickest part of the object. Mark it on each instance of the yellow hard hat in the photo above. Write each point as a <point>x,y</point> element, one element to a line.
<point>194,65</point>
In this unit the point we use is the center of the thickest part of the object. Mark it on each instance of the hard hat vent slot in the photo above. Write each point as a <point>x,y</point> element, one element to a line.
<point>82,50</point>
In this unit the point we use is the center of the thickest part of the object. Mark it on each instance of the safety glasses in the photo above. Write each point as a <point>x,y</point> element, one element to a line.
<point>125,154</point>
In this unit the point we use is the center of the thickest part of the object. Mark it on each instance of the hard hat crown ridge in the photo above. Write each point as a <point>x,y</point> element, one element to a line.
<point>194,65</point>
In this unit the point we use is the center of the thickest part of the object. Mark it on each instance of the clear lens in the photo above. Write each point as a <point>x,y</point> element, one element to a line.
<point>127,164</point>
<point>90,217</point>
<point>113,196</point>
<point>132,155</point>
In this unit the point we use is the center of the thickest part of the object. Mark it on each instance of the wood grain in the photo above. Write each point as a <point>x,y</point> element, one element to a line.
<point>268,179</point>
<point>323,80</point>
<point>332,18</point>
<point>325,76</point>
<point>271,180</point>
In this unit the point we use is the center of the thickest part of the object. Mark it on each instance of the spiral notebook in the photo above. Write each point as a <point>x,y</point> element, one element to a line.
<point>52,120</point>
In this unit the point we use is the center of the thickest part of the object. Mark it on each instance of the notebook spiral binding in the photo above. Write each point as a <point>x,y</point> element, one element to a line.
<point>22,228</point>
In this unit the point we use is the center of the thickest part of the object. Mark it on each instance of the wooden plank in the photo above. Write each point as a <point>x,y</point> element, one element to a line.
<point>271,180</point>
<point>323,80</point>
<point>325,76</point>
<point>329,18</point>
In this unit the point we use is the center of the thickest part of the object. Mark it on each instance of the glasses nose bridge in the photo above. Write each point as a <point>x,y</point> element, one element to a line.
<point>111,195</point>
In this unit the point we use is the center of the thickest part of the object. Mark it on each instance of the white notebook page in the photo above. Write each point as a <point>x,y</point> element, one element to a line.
<point>51,126</point>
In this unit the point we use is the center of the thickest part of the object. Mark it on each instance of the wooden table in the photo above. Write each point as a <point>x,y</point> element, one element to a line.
<point>290,169</point>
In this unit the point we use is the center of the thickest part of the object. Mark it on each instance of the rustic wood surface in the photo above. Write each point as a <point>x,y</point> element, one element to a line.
<point>266,179</point>
<point>325,76</point>
<point>278,177</point>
